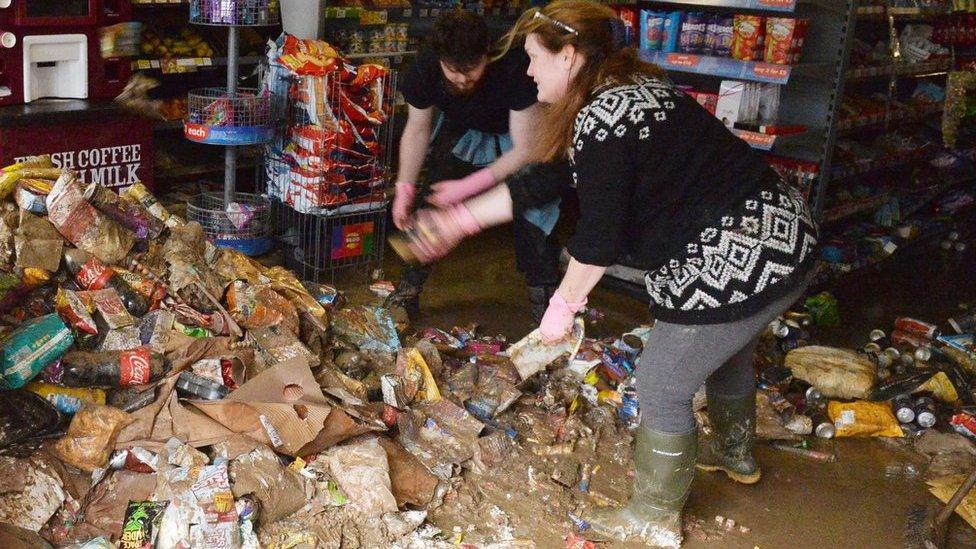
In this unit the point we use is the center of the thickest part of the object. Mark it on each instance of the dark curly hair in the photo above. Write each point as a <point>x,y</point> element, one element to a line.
<point>460,39</point>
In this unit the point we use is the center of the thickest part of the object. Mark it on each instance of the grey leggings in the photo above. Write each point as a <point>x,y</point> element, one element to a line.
<point>679,358</point>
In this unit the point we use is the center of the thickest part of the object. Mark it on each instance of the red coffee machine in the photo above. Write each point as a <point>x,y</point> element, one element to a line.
<point>50,49</point>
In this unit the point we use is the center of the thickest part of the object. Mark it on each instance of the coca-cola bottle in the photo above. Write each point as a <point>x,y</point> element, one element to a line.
<point>92,274</point>
<point>137,366</point>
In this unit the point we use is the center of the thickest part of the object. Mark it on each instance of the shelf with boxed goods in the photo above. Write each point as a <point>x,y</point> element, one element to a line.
<point>786,6</point>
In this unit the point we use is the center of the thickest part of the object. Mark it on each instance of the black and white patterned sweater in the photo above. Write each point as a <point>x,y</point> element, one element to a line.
<point>664,186</point>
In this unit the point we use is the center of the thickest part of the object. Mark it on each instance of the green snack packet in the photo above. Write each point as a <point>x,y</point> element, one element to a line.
<point>141,524</point>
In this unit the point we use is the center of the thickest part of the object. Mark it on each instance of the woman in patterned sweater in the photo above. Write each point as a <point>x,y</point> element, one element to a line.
<point>726,244</point>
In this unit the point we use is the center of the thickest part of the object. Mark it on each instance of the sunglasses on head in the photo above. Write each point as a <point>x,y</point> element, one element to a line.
<point>555,22</point>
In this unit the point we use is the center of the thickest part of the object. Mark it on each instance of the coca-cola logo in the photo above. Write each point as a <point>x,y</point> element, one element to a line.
<point>135,367</point>
<point>93,275</point>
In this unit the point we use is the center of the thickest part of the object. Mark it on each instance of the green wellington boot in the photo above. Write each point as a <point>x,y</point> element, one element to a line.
<point>729,449</point>
<point>665,468</point>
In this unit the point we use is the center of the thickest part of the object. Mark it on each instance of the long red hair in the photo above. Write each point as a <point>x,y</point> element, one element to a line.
<point>604,61</point>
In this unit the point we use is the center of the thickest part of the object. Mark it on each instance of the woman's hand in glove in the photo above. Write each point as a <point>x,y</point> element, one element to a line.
<point>557,323</point>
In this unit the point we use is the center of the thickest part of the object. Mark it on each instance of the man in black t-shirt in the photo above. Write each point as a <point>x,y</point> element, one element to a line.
<point>486,113</point>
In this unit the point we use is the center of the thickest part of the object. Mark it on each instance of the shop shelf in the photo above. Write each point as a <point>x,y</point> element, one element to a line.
<point>854,207</point>
<point>936,66</point>
<point>176,65</point>
<point>381,54</point>
<point>218,118</point>
<point>725,67</point>
<point>766,5</point>
<point>898,116</point>
<point>756,140</point>
<point>234,13</point>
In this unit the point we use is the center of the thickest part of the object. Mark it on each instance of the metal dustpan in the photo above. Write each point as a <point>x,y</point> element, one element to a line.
<point>532,354</point>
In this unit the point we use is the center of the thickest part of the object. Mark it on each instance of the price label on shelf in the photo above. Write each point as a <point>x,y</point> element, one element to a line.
<point>435,12</point>
<point>341,13</point>
<point>143,64</point>
<point>683,60</point>
<point>423,12</point>
<point>778,4</point>
<point>407,12</point>
<point>170,66</point>
<point>771,71</point>
<point>757,140</point>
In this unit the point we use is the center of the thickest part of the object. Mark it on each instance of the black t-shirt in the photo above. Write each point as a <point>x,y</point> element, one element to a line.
<point>504,87</point>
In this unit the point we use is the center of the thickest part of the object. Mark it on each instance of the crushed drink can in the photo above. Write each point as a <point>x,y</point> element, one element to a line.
<point>909,339</point>
<point>629,410</point>
<point>825,430</point>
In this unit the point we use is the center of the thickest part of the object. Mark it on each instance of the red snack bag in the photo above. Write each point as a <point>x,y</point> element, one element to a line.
<point>780,34</point>
<point>74,311</point>
<point>747,37</point>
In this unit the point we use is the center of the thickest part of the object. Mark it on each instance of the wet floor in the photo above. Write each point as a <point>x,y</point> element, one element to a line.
<point>860,501</point>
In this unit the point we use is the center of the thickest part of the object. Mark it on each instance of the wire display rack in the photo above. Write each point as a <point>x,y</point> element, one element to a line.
<point>238,13</point>
<point>219,117</point>
<point>245,224</point>
<point>327,170</point>
<point>232,117</point>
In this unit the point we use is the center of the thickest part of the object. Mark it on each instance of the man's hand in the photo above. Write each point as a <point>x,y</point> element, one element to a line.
<point>403,204</point>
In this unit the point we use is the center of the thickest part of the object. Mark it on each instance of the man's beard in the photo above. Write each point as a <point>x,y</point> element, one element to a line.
<point>455,91</point>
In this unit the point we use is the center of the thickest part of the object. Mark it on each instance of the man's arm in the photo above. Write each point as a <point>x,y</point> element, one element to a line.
<point>521,126</point>
<point>414,143</point>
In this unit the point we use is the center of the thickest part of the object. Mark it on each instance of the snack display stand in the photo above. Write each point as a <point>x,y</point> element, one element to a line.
<point>231,117</point>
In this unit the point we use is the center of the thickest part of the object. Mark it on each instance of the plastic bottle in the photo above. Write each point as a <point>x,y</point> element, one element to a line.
<point>191,385</point>
<point>110,369</point>
<point>92,274</point>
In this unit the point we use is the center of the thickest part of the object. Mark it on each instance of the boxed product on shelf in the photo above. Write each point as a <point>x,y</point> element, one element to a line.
<point>784,39</point>
<point>631,22</point>
<point>747,105</point>
<point>671,31</point>
<point>731,94</point>
<point>651,29</point>
<point>748,36</point>
<point>691,39</point>
<point>709,100</point>
<point>718,36</point>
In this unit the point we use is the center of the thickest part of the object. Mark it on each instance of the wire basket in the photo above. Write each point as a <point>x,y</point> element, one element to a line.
<point>244,225</point>
<point>318,247</point>
<point>235,13</point>
<point>217,117</point>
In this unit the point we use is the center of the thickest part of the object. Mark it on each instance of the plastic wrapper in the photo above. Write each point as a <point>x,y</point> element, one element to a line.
<point>75,309</point>
<point>259,306</point>
<point>308,57</point>
<point>155,328</point>
<point>37,243</point>
<point>280,490</point>
<point>82,225</point>
<point>109,306</point>
<point>287,284</point>
<point>367,328</point>
<point>25,417</point>
<point>67,400</point>
<point>141,524</point>
<point>37,497</point>
<point>31,347</point>
<point>39,161</point>
<point>8,228</point>
<point>839,373</point>
<point>201,513</point>
<point>863,419</point>
<point>362,472</point>
<point>121,339</point>
<point>140,194</point>
<point>276,344</point>
<point>131,215</point>
<point>91,437</point>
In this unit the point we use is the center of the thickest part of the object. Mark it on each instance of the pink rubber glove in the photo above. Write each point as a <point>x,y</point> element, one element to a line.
<point>452,191</point>
<point>436,232</point>
<point>557,323</point>
<point>403,203</point>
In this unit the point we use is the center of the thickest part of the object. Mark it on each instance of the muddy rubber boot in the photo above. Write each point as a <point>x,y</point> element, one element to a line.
<point>539,298</point>
<point>729,448</point>
<point>665,468</point>
<point>405,295</point>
